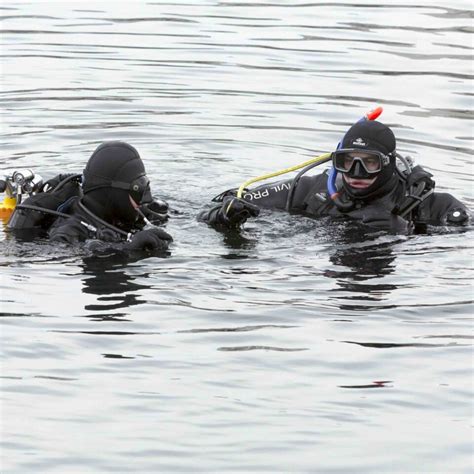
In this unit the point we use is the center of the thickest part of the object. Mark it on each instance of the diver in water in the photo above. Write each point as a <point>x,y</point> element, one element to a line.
<point>365,184</point>
<point>110,205</point>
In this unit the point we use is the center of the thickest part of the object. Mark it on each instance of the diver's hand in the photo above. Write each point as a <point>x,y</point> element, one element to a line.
<point>236,211</point>
<point>150,239</point>
<point>419,175</point>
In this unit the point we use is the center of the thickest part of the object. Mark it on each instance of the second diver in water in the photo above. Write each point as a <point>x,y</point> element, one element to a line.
<point>109,206</point>
<point>365,184</point>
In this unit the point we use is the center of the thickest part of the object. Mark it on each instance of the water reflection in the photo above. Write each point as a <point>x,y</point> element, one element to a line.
<point>365,253</point>
<point>364,260</point>
<point>365,263</point>
<point>107,278</point>
<point>237,243</point>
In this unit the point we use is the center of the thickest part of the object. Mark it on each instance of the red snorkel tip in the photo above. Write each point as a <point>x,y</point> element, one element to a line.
<point>373,114</point>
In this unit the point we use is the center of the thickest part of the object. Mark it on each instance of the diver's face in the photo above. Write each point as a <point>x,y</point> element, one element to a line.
<point>358,183</point>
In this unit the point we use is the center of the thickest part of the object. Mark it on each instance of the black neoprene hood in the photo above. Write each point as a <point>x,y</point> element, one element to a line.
<point>370,135</point>
<point>111,168</point>
<point>112,161</point>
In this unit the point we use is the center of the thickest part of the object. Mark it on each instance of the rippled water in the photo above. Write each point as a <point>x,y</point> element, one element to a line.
<point>301,345</point>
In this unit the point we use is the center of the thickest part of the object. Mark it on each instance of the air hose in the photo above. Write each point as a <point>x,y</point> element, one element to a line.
<point>314,161</point>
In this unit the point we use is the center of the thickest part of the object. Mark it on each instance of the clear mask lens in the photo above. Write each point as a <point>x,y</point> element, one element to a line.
<point>372,162</point>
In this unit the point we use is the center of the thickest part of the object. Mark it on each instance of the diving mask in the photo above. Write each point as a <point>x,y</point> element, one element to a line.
<point>359,163</point>
<point>137,188</point>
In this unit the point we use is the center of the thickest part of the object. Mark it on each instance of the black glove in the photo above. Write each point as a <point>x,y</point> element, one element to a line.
<point>419,175</point>
<point>236,211</point>
<point>150,239</point>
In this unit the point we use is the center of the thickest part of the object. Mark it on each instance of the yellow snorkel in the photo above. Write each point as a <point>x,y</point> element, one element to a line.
<point>318,160</point>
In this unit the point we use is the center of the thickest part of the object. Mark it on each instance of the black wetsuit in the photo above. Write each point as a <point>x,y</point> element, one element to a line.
<point>310,197</point>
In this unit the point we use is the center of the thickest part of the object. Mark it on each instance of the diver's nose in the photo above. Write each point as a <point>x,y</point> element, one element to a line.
<point>358,170</point>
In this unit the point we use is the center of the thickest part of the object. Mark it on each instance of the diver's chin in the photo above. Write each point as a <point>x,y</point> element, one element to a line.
<point>359,183</point>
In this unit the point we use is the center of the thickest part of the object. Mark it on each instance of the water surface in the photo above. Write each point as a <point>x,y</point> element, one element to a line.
<point>298,345</point>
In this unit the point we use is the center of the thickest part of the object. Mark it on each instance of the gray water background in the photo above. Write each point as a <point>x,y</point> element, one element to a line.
<point>300,346</point>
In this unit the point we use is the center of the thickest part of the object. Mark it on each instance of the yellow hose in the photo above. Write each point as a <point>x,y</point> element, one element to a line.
<point>320,159</point>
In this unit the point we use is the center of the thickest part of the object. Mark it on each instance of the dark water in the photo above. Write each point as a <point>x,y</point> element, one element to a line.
<point>300,345</point>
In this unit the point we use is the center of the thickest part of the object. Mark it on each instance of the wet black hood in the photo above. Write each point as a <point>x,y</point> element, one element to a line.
<point>112,163</point>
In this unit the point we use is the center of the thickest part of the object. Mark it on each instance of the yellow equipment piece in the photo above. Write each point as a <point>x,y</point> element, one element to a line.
<point>7,207</point>
<point>318,159</point>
